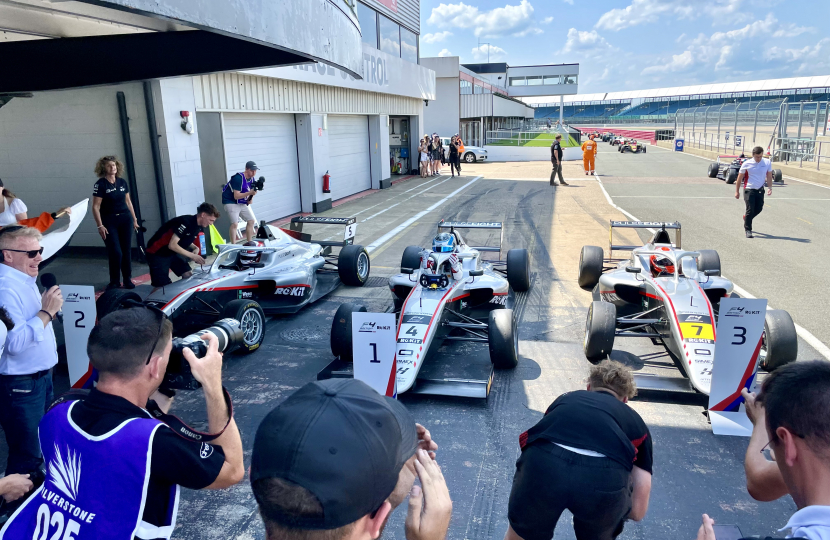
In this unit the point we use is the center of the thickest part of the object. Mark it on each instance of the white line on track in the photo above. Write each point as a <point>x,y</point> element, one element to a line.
<point>710,159</point>
<point>675,197</point>
<point>404,200</point>
<point>805,334</point>
<point>388,236</point>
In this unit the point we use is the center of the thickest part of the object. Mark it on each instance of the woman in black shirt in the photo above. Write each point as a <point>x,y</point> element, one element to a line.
<point>114,214</point>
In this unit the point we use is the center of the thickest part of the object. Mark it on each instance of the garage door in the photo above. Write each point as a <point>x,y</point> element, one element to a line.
<point>348,155</point>
<point>270,141</point>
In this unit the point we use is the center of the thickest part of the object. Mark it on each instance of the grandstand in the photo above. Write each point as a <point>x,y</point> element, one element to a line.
<point>661,104</point>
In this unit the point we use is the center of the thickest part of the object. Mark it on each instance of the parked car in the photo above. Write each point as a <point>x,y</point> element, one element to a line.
<point>471,153</point>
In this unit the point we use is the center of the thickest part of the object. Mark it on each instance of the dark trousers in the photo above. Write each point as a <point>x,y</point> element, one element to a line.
<point>557,169</point>
<point>754,199</point>
<point>119,241</point>
<point>549,479</point>
<point>23,402</point>
<point>455,163</point>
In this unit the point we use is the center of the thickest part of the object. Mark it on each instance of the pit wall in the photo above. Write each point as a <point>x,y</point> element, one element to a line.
<point>794,171</point>
<point>529,153</point>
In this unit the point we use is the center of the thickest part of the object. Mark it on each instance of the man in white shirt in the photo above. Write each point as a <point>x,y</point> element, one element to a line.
<point>754,174</point>
<point>795,399</point>
<point>30,351</point>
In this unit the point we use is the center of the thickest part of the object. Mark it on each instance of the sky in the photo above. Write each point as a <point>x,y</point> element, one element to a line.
<point>637,44</point>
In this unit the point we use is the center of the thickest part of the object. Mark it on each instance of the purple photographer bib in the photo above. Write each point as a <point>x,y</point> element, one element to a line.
<point>95,487</point>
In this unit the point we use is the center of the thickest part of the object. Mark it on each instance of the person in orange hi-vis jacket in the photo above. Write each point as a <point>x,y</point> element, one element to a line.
<point>589,152</point>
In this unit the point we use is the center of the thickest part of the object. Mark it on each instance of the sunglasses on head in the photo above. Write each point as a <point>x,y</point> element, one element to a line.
<point>160,315</point>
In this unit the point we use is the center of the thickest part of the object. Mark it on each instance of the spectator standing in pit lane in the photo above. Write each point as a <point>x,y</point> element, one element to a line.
<point>589,152</point>
<point>791,411</point>
<point>590,454</point>
<point>754,174</point>
<point>423,160</point>
<point>454,157</point>
<point>556,154</point>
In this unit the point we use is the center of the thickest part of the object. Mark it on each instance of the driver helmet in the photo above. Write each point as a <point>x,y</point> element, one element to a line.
<point>661,266</point>
<point>248,257</point>
<point>443,243</point>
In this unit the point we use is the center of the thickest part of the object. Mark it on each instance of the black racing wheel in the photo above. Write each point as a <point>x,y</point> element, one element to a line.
<point>503,339</point>
<point>713,170</point>
<point>114,299</point>
<point>252,321</point>
<point>353,265</point>
<point>600,329</point>
<point>341,331</point>
<point>590,267</point>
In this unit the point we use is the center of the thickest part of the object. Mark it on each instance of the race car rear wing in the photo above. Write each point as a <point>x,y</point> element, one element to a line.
<point>656,227</point>
<point>476,225</point>
<point>296,230</point>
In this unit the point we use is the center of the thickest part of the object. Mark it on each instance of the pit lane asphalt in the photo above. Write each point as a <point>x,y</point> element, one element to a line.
<point>695,472</point>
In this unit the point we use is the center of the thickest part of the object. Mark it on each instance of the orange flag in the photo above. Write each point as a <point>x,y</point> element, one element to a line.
<point>41,223</point>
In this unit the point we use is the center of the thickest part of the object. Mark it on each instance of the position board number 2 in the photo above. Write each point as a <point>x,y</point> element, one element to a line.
<point>79,319</point>
<point>740,333</point>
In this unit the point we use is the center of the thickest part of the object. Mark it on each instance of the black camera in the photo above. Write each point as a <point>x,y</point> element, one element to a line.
<point>258,185</point>
<point>179,377</point>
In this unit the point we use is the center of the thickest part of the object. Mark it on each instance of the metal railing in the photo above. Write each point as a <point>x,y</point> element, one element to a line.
<point>791,150</point>
<point>537,137</point>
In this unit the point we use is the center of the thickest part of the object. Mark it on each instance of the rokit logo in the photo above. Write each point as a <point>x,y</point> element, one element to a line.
<point>246,294</point>
<point>291,291</point>
<point>499,300</point>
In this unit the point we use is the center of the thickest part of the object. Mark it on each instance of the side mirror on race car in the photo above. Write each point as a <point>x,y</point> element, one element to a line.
<point>633,269</point>
<point>711,272</point>
<point>476,273</point>
<point>408,271</point>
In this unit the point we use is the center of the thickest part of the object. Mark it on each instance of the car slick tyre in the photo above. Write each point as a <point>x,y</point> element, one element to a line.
<point>411,258</point>
<point>469,157</point>
<point>590,267</point>
<point>114,299</point>
<point>713,170</point>
<point>518,269</point>
<point>644,149</point>
<point>600,327</point>
<point>341,330</point>
<point>731,176</point>
<point>777,175</point>
<point>708,260</point>
<point>503,339</point>
<point>780,341</point>
<point>252,321</point>
<point>353,265</point>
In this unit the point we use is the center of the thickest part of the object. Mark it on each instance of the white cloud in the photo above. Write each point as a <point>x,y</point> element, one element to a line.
<point>445,52</point>
<point>496,54</point>
<point>436,37</point>
<point>571,2</point>
<point>810,59</point>
<point>650,11</point>
<point>548,20</point>
<point>586,44</point>
<point>504,21</point>
<point>679,62</point>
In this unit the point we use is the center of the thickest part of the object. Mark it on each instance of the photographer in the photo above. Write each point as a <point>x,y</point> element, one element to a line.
<point>174,242</point>
<point>114,470</point>
<point>236,197</point>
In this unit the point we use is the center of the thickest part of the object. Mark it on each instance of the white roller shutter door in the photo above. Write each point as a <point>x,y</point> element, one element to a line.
<point>270,141</point>
<point>348,155</point>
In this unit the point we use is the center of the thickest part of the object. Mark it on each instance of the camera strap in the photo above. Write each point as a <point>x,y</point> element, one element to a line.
<point>173,422</point>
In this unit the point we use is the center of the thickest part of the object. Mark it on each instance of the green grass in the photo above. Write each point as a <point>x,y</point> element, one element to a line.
<point>541,139</point>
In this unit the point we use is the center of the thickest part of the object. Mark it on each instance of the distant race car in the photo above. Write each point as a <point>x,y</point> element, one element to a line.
<point>671,297</point>
<point>282,273</point>
<point>729,168</point>
<point>631,145</point>
<point>607,136</point>
<point>614,141</point>
<point>433,307</point>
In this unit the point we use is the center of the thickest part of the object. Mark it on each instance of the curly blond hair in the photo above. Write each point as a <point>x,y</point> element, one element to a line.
<point>101,167</point>
<point>615,377</point>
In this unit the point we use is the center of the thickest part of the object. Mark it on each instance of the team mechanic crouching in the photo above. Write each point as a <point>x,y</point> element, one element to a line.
<point>113,470</point>
<point>753,175</point>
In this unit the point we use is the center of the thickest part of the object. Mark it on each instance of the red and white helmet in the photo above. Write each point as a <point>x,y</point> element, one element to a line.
<point>248,257</point>
<point>661,266</point>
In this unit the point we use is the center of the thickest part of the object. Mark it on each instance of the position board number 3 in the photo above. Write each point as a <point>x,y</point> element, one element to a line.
<point>374,359</point>
<point>79,319</point>
<point>740,333</point>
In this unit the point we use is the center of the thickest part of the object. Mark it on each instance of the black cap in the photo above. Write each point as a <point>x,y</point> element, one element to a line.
<point>340,440</point>
<point>251,166</point>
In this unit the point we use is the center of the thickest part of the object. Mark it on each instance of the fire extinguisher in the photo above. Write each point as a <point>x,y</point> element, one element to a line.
<point>326,188</point>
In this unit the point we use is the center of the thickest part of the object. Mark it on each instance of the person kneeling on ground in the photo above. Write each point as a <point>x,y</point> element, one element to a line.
<point>335,458</point>
<point>590,454</point>
<point>174,242</point>
<point>793,408</point>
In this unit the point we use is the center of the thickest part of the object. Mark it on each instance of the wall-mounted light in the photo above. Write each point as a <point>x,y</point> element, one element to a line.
<point>187,122</point>
<point>325,121</point>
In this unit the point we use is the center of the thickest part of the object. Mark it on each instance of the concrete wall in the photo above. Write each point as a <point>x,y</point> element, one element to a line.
<point>49,145</point>
<point>442,115</point>
<point>212,153</point>
<point>528,153</point>
<point>180,156</point>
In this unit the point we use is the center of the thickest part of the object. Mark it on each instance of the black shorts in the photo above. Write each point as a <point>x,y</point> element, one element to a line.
<point>160,268</point>
<point>550,479</point>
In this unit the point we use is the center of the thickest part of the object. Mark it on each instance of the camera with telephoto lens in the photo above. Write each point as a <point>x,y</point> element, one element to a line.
<point>258,185</point>
<point>178,376</point>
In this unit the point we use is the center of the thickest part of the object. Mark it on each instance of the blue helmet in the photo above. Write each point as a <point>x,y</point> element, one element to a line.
<point>443,243</point>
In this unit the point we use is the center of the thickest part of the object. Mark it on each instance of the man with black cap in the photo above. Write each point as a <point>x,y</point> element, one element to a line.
<point>236,197</point>
<point>332,461</point>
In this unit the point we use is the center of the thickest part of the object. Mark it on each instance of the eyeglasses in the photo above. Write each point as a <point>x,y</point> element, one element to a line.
<point>131,304</point>
<point>32,253</point>
<point>768,452</point>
